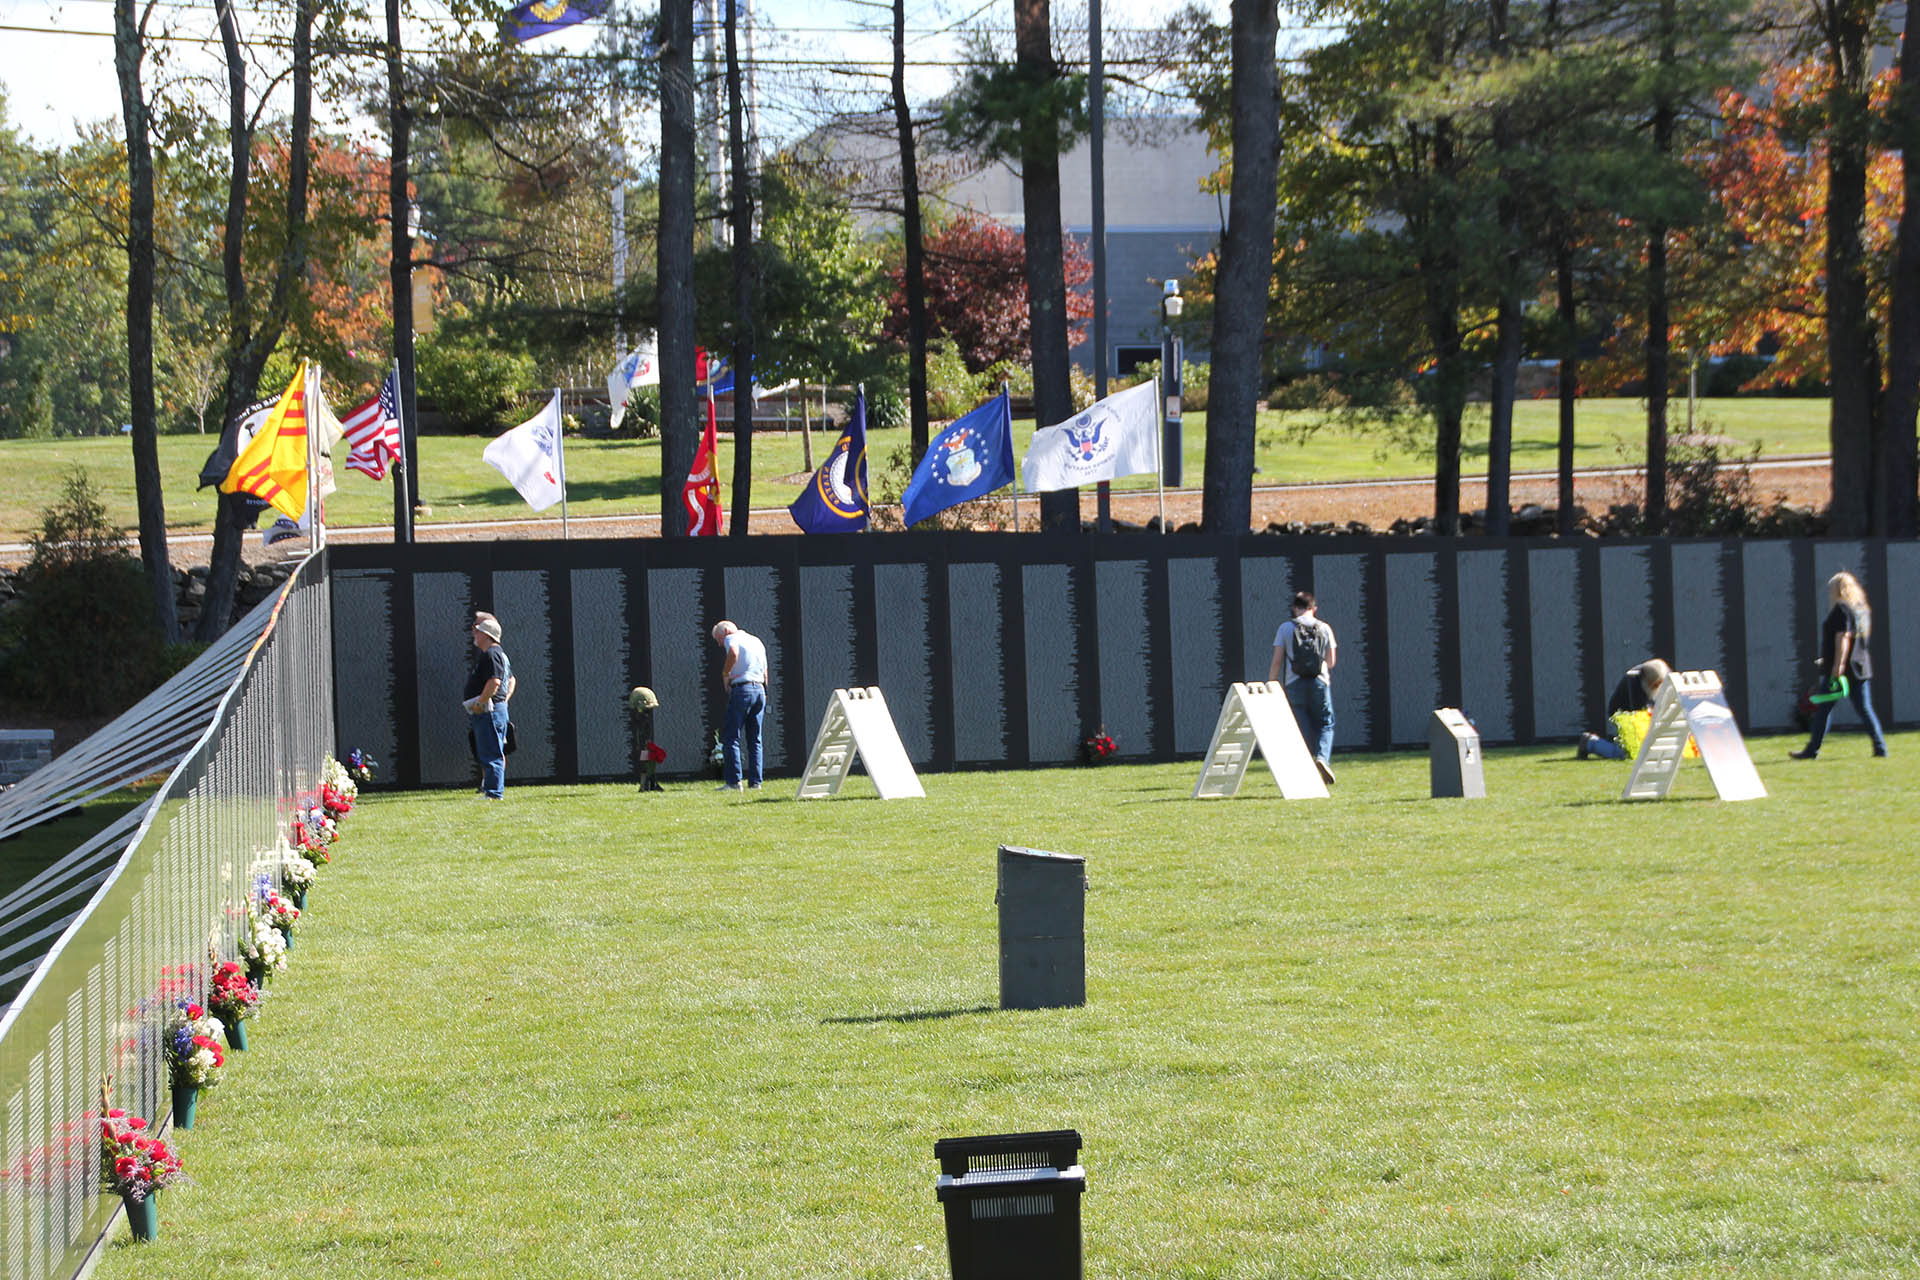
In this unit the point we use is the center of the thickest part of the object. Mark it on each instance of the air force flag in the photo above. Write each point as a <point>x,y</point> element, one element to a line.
<point>1118,436</point>
<point>835,500</point>
<point>972,457</point>
<point>529,457</point>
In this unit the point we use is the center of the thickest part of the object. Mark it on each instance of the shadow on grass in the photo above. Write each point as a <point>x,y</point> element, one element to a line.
<point>918,1015</point>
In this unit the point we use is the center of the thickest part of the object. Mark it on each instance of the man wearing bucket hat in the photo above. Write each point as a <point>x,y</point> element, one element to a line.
<point>489,685</point>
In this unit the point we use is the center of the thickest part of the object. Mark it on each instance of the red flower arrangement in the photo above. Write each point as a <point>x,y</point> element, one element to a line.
<point>1098,748</point>
<point>233,997</point>
<point>133,1164</point>
<point>338,804</point>
<point>655,753</point>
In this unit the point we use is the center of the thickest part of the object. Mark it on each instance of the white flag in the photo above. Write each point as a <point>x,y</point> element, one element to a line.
<point>1118,436</point>
<point>529,457</point>
<point>327,430</point>
<point>639,369</point>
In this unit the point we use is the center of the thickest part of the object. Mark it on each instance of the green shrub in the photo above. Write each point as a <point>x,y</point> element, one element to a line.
<point>83,639</point>
<point>470,379</point>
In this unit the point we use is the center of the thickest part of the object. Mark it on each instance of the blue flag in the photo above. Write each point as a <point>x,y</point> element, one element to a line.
<point>972,457</point>
<point>537,17</point>
<point>835,500</point>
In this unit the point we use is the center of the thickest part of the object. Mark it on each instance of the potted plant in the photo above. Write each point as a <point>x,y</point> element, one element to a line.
<point>261,946</point>
<point>360,767</point>
<point>233,1000</point>
<point>194,1056</point>
<point>281,914</point>
<point>134,1166</point>
<point>299,873</point>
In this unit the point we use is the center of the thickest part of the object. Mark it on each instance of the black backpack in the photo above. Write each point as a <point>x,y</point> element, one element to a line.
<point>1308,653</point>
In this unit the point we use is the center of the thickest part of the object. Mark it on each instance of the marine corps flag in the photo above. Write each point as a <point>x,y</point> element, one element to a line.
<point>701,494</point>
<point>835,500</point>
<point>273,466</point>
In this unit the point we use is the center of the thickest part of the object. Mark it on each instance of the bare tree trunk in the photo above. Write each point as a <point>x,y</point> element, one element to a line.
<point>1507,320</point>
<point>250,346</point>
<point>406,484</point>
<point>741,216</point>
<point>1852,357</point>
<point>1439,268</point>
<point>1896,465</point>
<point>1569,384</point>
<point>1046,270</point>
<point>1659,367</point>
<point>129,50</point>
<point>916,281</point>
<point>1246,269</point>
<point>674,257</point>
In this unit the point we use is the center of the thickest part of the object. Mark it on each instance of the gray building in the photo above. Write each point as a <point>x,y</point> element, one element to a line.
<point>1159,220</point>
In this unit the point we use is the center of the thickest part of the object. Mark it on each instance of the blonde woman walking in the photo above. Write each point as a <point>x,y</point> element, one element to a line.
<point>1843,652</point>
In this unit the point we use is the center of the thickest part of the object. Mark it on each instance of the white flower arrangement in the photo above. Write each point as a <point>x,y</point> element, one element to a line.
<point>298,871</point>
<point>261,943</point>
<point>334,774</point>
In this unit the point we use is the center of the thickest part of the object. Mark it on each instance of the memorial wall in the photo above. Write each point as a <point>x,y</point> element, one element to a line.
<point>1007,650</point>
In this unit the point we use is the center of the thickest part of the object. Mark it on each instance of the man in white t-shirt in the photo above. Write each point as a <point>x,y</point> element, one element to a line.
<point>744,677</point>
<point>1303,654</point>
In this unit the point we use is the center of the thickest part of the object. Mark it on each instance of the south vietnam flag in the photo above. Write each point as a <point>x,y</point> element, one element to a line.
<point>273,466</point>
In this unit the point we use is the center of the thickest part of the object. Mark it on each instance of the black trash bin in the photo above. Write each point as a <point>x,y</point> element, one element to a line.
<point>1012,1202</point>
<point>1043,929</point>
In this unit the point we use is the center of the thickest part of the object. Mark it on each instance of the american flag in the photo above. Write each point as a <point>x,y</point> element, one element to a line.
<point>373,432</point>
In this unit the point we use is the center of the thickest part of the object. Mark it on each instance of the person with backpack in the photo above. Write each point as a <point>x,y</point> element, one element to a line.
<point>1304,652</point>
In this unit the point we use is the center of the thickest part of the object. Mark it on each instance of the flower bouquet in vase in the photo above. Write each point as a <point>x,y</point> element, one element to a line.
<point>194,1056</point>
<point>309,841</point>
<point>134,1165</point>
<point>360,767</point>
<point>298,872</point>
<point>261,946</point>
<point>233,1000</point>
<point>336,803</point>
<point>281,914</point>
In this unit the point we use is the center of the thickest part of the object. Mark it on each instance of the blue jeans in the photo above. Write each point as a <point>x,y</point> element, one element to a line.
<point>1312,704</point>
<point>1606,748</point>
<point>740,734</point>
<point>490,744</point>
<point>1862,703</point>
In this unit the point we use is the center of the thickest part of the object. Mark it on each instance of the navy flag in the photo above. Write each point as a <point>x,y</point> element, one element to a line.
<point>972,457</point>
<point>835,500</point>
<point>537,17</point>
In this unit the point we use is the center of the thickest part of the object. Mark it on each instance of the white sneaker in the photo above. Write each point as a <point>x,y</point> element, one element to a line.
<point>728,786</point>
<point>1326,771</point>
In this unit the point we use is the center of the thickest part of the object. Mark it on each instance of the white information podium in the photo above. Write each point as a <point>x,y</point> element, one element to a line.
<point>1257,716</point>
<point>858,723</point>
<point>1692,702</point>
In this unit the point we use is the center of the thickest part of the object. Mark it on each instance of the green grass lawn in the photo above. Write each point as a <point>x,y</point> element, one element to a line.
<point>589,1033</point>
<point>612,477</point>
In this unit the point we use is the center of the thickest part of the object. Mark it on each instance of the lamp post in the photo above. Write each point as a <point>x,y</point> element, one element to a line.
<point>1171,305</point>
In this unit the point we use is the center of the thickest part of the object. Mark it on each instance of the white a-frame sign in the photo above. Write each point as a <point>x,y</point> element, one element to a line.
<point>1692,702</point>
<point>1257,715</point>
<point>858,723</point>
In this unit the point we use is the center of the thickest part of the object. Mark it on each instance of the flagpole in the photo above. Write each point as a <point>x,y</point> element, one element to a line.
<point>312,396</point>
<point>402,508</point>
<point>560,453</point>
<point>1160,450</point>
<point>1007,395</point>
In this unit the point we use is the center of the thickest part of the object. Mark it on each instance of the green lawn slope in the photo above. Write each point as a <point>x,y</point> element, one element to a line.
<point>586,1032</point>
